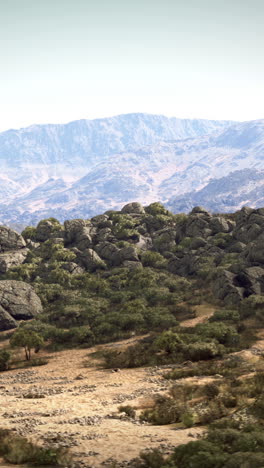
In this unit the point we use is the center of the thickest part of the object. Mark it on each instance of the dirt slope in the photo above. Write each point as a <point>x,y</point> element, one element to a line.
<point>80,404</point>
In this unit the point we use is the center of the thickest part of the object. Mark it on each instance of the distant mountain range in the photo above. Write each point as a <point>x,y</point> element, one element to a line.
<point>82,168</point>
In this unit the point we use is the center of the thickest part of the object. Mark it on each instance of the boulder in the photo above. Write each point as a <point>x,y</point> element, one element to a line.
<point>7,322</point>
<point>12,259</point>
<point>200,210</point>
<point>197,243</point>
<point>126,253</point>
<point>254,253</point>
<point>133,208</point>
<point>104,234</point>
<point>236,247</point>
<point>72,228</point>
<point>83,238</point>
<point>91,260</point>
<point>47,229</point>
<point>219,224</point>
<point>106,250</point>
<point>101,221</point>
<point>197,226</point>
<point>132,265</point>
<point>73,268</point>
<point>144,243</point>
<point>19,299</point>
<point>225,288</point>
<point>251,280</point>
<point>10,239</point>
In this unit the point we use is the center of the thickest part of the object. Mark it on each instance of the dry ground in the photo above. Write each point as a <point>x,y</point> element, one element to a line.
<point>81,393</point>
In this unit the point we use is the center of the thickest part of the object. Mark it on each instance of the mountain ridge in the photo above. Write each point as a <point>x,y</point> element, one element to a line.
<point>159,158</point>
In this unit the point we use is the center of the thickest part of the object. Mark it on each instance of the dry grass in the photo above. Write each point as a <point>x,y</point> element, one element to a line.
<point>116,438</point>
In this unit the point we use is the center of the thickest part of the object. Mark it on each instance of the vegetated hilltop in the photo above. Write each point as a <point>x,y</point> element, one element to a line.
<point>191,287</point>
<point>143,260</point>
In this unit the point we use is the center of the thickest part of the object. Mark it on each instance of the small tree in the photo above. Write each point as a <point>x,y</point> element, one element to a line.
<point>26,339</point>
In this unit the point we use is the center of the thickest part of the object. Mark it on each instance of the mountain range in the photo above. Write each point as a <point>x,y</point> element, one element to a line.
<point>84,167</point>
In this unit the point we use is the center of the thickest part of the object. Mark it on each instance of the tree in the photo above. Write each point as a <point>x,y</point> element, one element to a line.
<point>26,339</point>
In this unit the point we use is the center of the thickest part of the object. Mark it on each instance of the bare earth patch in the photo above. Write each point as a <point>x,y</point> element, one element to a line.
<point>77,406</point>
<point>203,312</point>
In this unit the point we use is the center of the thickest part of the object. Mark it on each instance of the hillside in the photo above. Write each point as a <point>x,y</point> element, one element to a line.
<point>159,314</point>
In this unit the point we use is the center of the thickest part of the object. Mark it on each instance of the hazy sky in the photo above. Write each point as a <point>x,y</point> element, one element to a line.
<point>63,60</point>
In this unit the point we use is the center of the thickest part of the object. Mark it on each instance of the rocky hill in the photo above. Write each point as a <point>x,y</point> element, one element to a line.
<point>223,250</point>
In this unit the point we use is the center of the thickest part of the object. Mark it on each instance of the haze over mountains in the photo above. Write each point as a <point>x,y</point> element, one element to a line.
<point>85,167</point>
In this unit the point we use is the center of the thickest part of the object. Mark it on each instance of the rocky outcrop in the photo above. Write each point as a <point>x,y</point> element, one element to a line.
<point>91,260</point>
<point>10,239</point>
<point>224,288</point>
<point>12,259</point>
<point>7,322</point>
<point>126,253</point>
<point>18,300</point>
<point>47,229</point>
<point>73,268</point>
<point>226,249</point>
<point>133,208</point>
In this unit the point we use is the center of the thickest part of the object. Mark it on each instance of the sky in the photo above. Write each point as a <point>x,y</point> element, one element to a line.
<point>63,60</point>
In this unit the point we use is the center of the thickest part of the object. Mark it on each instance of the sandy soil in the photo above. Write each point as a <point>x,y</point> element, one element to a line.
<point>203,312</point>
<point>83,408</point>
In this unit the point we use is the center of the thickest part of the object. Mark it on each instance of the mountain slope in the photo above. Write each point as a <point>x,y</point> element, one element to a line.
<point>142,159</point>
<point>238,189</point>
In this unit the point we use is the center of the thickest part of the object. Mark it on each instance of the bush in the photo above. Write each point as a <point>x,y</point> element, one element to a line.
<point>224,334</point>
<point>211,390</point>
<point>16,449</point>
<point>198,454</point>
<point>225,315</point>
<point>165,411</point>
<point>169,342</point>
<point>187,419</point>
<point>4,360</point>
<point>152,259</point>
<point>129,410</point>
<point>29,233</point>
<point>202,351</point>
<point>151,459</point>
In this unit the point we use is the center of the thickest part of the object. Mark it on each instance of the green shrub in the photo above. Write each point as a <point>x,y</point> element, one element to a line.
<point>4,360</point>
<point>17,450</point>
<point>151,459</point>
<point>169,342</point>
<point>198,454</point>
<point>165,411</point>
<point>129,410</point>
<point>157,208</point>
<point>187,419</point>
<point>152,259</point>
<point>202,351</point>
<point>225,315</point>
<point>29,233</point>
<point>211,390</point>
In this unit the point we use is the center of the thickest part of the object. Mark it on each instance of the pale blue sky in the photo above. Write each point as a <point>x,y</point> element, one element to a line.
<point>63,60</point>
